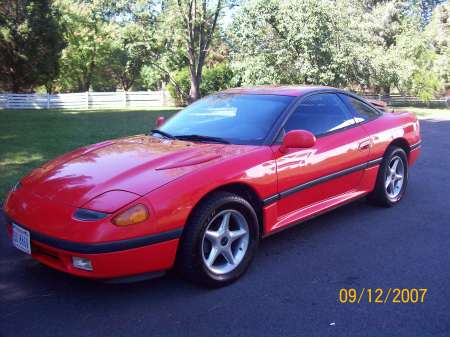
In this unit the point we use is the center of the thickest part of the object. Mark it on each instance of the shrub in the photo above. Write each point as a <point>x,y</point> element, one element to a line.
<point>183,81</point>
<point>214,79</point>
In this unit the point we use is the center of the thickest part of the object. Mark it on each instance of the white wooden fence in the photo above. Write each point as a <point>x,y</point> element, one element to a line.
<point>86,100</point>
<point>397,100</point>
<point>142,99</point>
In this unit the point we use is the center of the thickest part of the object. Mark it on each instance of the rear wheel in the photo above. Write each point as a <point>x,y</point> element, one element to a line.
<point>392,178</point>
<point>219,241</point>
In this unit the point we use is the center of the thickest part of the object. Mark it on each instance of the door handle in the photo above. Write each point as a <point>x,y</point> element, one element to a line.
<point>364,145</point>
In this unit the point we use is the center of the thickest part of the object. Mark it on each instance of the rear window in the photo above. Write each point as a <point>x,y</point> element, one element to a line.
<point>362,112</point>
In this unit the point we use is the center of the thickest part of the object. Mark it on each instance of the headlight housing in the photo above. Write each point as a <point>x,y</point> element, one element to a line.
<point>131,216</point>
<point>83,214</point>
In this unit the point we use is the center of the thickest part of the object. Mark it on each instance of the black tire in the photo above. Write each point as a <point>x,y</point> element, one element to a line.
<point>190,262</point>
<point>380,196</point>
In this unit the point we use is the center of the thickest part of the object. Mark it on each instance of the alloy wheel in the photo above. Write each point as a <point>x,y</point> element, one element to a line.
<point>394,178</point>
<point>225,241</point>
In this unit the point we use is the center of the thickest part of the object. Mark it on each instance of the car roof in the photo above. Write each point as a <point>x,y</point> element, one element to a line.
<point>285,90</point>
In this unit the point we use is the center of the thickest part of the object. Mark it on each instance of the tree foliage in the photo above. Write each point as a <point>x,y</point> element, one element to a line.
<point>193,24</point>
<point>30,44</point>
<point>131,46</point>
<point>216,78</point>
<point>200,46</point>
<point>89,43</point>
<point>366,45</point>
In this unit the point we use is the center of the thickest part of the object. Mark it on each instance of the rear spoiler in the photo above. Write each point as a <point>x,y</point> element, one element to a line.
<point>378,104</point>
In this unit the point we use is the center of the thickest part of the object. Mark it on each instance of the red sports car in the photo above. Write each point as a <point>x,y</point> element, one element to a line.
<point>200,191</point>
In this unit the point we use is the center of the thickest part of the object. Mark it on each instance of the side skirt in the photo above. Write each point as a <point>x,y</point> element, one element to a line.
<point>298,216</point>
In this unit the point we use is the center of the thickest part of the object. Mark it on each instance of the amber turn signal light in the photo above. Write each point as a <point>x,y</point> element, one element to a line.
<point>133,215</point>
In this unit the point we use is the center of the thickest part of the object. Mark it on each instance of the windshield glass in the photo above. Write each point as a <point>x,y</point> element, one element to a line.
<point>236,118</point>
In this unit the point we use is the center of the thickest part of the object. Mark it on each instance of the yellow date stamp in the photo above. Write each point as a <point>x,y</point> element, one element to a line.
<point>382,295</point>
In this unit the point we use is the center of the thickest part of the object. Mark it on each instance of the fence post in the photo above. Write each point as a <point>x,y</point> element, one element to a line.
<point>48,101</point>
<point>163,97</point>
<point>87,99</point>
<point>7,101</point>
<point>125,98</point>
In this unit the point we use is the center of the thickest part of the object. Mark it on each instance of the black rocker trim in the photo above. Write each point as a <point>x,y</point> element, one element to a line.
<point>320,180</point>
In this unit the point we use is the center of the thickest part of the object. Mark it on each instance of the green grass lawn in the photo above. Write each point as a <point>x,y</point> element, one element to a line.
<point>29,138</point>
<point>424,113</point>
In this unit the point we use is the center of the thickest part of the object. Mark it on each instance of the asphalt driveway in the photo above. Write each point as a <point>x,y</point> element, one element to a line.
<point>290,290</point>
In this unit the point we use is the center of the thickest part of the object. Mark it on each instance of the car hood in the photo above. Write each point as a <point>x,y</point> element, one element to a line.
<point>136,164</point>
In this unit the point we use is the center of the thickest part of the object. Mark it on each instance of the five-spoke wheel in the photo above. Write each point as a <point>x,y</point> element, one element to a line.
<point>219,240</point>
<point>392,178</point>
<point>225,241</point>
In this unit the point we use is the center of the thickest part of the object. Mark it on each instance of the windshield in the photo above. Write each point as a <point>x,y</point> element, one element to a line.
<point>235,118</point>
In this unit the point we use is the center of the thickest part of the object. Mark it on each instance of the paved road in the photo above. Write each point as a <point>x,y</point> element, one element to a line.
<point>292,287</point>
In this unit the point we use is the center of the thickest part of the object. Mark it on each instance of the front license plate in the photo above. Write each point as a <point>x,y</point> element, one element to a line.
<point>21,239</point>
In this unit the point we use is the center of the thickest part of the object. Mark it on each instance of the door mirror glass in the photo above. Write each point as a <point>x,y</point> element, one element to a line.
<point>297,139</point>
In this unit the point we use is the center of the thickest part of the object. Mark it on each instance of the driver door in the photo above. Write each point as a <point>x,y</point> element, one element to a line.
<point>306,177</point>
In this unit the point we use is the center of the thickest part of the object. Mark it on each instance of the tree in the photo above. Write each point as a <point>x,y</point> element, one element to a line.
<point>194,23</point>
<point>31,41</point>
<point>438,32</point>
<point>292,42</point>
<point>371,45</point>
<point>387,22</point>
<point>131,47</point>
<point>109,42</point>
<point>215,78</point>
<point>88,44</point>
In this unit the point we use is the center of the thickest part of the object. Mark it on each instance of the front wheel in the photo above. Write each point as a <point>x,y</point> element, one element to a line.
<point>392,178</point>
<point>219,241</point>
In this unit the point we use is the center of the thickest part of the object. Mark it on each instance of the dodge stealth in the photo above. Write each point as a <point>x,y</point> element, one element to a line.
<point>200,190</point>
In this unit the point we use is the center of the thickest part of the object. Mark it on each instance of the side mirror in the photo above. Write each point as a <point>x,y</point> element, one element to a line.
<point>297,139</point>
<point>160,121</point>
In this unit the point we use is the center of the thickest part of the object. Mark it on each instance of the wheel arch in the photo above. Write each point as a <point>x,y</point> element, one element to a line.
<point>243,190</point>
<point>401,143</point>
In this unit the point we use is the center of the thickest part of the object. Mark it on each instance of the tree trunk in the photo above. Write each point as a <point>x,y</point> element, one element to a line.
<point>49,87</point>
<point>194,93</point>
<point>15,85</point>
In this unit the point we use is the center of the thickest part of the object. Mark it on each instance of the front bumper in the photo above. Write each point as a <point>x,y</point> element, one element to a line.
<point>123,258</point>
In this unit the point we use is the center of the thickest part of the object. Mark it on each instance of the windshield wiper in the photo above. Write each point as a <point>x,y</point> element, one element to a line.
<point>201,138</point>
<point>162,133</point>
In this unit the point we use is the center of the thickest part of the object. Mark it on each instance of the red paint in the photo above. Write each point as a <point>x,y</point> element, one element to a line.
<point>170,177</point>
<point>111,201</point>
<point>297,139</point>
<point>160,121</point>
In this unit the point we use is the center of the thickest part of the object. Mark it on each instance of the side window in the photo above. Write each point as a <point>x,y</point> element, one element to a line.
<point>362,111</point>
<point>320,114</point>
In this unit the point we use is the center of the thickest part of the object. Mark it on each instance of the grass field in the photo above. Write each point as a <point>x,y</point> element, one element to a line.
<point>29,138</point>
<point>427,113</point>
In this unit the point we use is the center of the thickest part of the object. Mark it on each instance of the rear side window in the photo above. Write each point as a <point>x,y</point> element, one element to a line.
<point>362,111</point>
<point>320,114</point>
